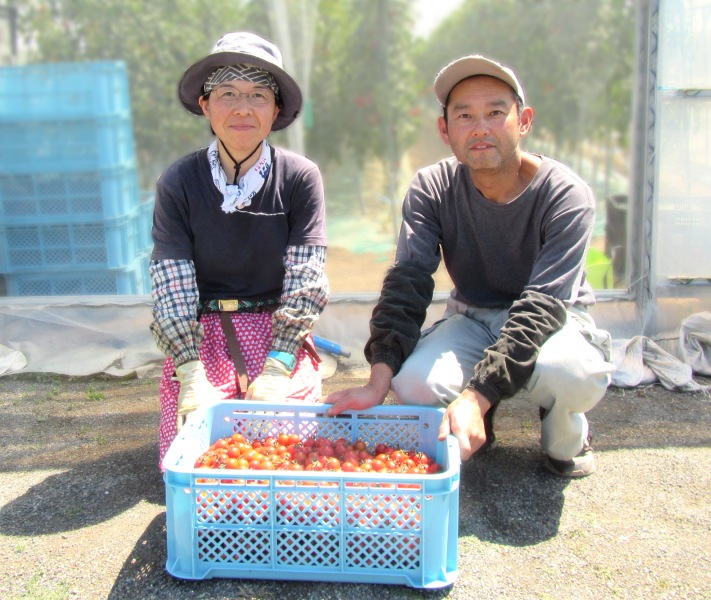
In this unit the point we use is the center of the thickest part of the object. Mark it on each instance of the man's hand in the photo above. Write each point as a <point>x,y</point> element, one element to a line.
<point>362,398</point>
<point>465,419</point>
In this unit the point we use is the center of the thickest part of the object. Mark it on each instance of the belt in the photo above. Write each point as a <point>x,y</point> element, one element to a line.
<point>225,307</point>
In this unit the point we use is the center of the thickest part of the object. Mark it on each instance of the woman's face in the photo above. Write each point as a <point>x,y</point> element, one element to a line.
<point>239,120</point>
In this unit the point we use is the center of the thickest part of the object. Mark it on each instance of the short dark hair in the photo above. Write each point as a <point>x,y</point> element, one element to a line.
<point>519,101</point>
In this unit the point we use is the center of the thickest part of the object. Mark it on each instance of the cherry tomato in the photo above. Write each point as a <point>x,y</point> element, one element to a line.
<point>350,456</point>
<point>221,444</point>
<point>360,445</point>
<point>238,437</point>
<point>233,452</point>
<point>333,464</point>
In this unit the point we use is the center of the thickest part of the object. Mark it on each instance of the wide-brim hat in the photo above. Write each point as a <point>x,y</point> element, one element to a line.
<point>469,66</point>
<point>243,48</point>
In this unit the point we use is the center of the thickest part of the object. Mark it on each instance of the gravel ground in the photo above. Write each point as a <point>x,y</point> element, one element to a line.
<point>82,508</point>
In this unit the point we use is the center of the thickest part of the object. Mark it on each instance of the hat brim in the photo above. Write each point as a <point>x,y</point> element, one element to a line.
<point>191,84</point>
<point>470,66</point>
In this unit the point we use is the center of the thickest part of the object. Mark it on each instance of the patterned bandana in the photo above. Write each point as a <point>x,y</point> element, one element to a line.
<point>240,195</point>
<point>243,72</point>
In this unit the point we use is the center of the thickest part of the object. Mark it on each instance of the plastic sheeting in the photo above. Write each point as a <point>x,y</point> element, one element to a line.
<point>640,361</point>
<point>86,335</point>
<point>695,340</point>
<point>80,336</point>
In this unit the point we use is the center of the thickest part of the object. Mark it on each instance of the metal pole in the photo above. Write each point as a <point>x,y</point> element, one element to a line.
<point>389,141</point>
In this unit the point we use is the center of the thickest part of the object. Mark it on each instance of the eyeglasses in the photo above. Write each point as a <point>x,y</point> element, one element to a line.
<point>228,95</point>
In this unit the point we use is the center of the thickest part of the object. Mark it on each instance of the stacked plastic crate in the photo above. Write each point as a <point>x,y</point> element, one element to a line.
<point>71,222</point>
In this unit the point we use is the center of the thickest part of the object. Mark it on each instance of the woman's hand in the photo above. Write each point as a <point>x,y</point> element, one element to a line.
<point>272,385</point>
<point>195,390</point>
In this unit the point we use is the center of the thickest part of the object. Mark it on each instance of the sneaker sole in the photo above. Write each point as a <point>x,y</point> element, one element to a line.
<point>580,466</point>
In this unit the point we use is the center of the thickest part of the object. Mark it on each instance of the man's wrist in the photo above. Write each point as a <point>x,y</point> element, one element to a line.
<point>477,397</point>
<point>380,377</point>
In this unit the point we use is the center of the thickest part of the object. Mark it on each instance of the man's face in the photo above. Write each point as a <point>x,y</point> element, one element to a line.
<point>483,125</point>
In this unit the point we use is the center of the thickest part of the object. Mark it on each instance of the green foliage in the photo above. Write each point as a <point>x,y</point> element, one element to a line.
<point>157,39</point>
<point>364,82</point>
<point>369,77</point>
<point>92,394</point>
<point>574,59</point>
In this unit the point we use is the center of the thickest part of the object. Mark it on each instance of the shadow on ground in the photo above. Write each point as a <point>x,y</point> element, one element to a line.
<point>143,577</point>
<point>507,498</point>
<point>92,493</point>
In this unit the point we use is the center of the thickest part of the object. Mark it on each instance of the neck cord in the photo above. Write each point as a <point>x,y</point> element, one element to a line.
<point>238,164</point>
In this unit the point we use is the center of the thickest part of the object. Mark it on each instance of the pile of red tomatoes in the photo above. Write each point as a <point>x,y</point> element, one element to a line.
<point>289,452</point>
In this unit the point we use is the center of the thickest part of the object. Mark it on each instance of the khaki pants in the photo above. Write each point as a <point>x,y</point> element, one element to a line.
<point>571,375</point>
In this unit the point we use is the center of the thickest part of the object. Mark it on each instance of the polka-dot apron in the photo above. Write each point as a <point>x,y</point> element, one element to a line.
<point>254,333</point>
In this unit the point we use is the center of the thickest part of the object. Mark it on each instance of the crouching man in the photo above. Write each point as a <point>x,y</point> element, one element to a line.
<point>513,229</point>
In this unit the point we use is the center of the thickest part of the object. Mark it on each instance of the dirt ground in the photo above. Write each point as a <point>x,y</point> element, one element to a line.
<point>82,506</point>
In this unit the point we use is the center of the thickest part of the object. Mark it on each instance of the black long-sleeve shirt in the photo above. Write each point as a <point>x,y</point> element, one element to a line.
<point>527,255</point>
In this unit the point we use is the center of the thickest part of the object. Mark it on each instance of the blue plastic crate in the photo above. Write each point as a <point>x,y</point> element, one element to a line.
<point>61,91</point>
<point>145,220</point>
<point>62,197</point>
<point>66,145</point>
<point>321,526</point>
<point>108,244</point>
<point>128,281</point>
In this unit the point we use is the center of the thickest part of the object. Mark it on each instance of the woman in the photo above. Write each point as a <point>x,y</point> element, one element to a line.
<point>239,243</point>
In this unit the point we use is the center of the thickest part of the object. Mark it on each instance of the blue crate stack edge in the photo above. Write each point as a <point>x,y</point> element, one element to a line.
<point>71,218</point>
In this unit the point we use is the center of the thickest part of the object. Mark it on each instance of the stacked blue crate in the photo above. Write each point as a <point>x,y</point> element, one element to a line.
<point>70,216</point>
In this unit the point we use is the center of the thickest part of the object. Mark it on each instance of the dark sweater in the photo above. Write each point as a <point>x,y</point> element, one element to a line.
<point>528,255</point>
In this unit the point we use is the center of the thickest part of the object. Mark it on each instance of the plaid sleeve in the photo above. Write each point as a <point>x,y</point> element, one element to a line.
<point>175,327</point>
<point>303,298</point>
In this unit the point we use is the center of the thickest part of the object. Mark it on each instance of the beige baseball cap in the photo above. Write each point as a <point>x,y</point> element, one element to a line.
<point>469,66</point>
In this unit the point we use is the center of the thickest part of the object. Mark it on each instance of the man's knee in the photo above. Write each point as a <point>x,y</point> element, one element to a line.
<point>570,368</point>
<point>410,386</point>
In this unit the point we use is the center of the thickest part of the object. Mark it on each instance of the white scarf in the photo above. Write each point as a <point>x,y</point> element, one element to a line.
<point>239,196</point>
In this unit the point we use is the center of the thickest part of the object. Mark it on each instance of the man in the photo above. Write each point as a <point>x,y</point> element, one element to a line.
<point>513,229</point>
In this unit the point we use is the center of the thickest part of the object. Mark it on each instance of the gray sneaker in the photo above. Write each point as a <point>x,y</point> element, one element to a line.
<point>581,465</point>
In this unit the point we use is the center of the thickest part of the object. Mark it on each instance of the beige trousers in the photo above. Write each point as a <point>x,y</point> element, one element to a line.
<point>571,375</point>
